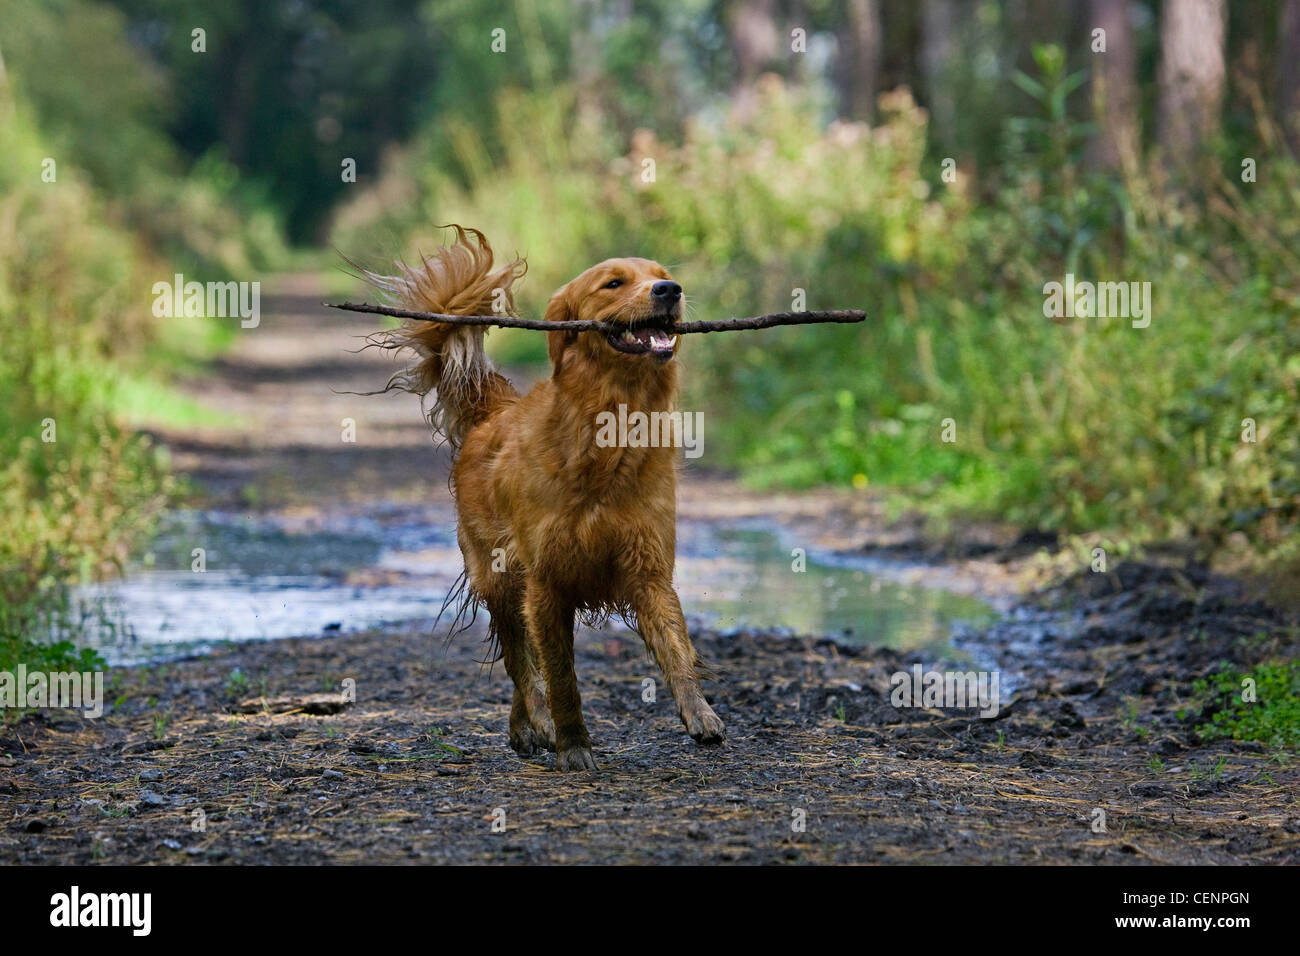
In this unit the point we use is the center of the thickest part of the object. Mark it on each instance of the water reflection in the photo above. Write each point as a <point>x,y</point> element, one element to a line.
<point>275,577</point>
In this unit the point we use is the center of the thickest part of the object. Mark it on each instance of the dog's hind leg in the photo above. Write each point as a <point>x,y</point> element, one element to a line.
<point>663,628</point>
<point>550,631</point>
<point>531,727</point>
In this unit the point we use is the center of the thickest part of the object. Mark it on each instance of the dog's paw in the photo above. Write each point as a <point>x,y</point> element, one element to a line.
<point>705,727</point>
<point>539,715</point>
<point>524,740</point>
<point>575,758</point>
<point>543,729</point>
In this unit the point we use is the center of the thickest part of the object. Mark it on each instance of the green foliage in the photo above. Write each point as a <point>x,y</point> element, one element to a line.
<point>61,656</point>
<point>104,111</point>
<point>1271,718</point>
<point>101,107</point>
<point>284,91</point>
<point>1080,424</point>
<point>75,488</point>
<point>81,244</point>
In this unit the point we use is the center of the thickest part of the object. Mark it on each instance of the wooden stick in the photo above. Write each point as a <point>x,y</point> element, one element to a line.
<point>595,325</point>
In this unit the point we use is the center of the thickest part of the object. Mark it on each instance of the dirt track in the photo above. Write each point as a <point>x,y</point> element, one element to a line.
<point>418,769</point>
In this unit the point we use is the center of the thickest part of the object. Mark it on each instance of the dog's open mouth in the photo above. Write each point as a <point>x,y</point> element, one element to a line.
<point>644,340</point>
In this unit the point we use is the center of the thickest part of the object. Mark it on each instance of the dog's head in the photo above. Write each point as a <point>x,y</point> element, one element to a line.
<point>639,296</point>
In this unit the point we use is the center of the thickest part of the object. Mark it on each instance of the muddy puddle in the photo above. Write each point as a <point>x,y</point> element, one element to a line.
<point>214,577</point>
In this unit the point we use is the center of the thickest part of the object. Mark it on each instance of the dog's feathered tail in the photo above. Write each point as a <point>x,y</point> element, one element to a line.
<point>459,279</point>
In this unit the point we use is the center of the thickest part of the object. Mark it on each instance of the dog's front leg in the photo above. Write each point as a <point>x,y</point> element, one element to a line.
<point>663,628</point>
<point>550,628</point>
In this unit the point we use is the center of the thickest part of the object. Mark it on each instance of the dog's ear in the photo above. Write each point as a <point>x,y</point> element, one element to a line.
<point>559,309</point>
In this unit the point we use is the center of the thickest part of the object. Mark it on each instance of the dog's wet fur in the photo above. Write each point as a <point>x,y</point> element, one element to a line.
<point>551,525</point>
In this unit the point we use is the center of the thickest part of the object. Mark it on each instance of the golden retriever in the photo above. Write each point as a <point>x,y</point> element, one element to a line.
<point>550,523</point>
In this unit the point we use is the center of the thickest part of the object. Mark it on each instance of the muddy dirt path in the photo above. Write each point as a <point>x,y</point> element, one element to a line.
<point>249,754</point>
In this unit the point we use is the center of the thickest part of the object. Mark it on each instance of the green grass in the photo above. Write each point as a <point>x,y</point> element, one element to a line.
<point>1261,705</point>
<point>146,402</point>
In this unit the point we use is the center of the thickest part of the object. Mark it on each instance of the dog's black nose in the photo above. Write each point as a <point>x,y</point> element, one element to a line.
<point>667,292</point>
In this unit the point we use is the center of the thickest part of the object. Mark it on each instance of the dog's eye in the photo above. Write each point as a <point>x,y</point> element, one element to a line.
<point>613,283</point>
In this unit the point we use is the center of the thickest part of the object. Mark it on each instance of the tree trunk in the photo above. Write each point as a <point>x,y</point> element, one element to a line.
<point>755,43</point>
<point>859,59</point>
<point>754,39</point>
<point>1114,85</point>
<point>1192,72</point>
<point>1288,72</point>
<point>938,52</point>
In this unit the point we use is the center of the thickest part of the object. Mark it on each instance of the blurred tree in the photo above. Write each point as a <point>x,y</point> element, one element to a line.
<point>901,39</point>
<point>755,43</point>
<point>859,60</point>
<point>938,53</point>
<point>1288,71</point>
<point>287,90</point>
<point>6,94</point>
<point>91,93</point>
<point>648,63</point>
<point>1192,73</point>
<point>1114,85</point>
